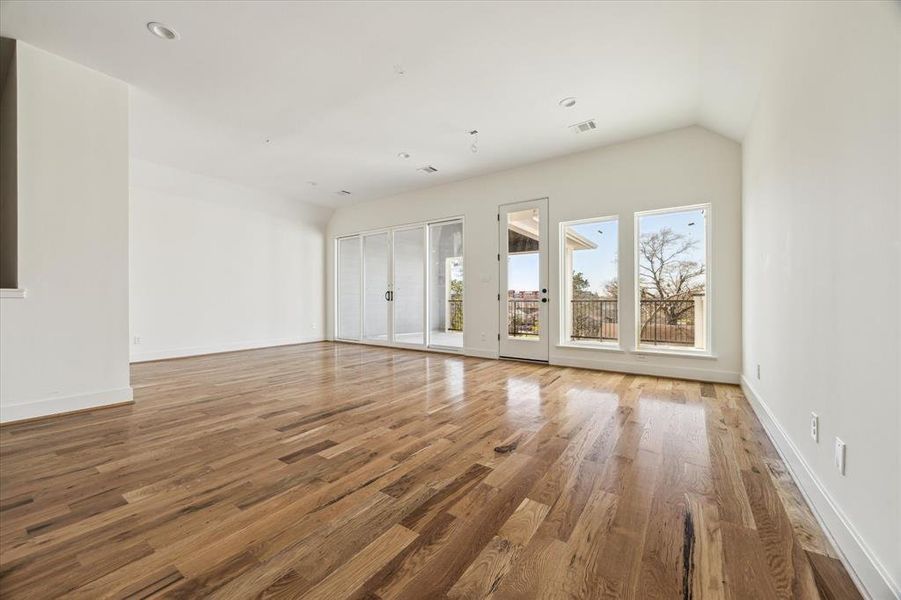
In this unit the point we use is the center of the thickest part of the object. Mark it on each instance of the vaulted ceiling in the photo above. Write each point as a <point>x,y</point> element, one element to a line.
<point>280,95</point>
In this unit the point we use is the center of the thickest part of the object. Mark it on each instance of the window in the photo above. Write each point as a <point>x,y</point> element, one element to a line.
<point>588,249</point>
<point>524,274</point>
<point>673,275</point>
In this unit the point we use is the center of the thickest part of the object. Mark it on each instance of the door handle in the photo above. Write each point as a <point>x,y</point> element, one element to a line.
<point>388,296</point>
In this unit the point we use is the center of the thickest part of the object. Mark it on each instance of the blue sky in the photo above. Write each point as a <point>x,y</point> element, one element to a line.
<point>600,264</point>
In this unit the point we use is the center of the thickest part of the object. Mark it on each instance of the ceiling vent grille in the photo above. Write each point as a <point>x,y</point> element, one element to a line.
<point>584,126</point>
<point>343,193</point>
<point>427,169</point>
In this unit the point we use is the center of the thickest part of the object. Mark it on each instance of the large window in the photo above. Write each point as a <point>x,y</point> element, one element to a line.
<point>590,281</point>
<point>673,274</point>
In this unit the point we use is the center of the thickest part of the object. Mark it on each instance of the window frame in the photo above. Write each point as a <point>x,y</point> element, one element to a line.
<point>708,350</point>
<point>565,312</point>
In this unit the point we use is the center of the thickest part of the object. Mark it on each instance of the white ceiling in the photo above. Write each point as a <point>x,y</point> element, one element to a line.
<point>319,81</point>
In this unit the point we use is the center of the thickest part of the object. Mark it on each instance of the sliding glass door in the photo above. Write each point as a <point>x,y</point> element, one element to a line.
<point>376,286</point>
<point>349,271</point>
<point>409,286</point>
<point>403,286</point>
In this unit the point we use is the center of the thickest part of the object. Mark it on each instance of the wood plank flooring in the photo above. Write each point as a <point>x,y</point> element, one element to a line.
<point>339,471</point>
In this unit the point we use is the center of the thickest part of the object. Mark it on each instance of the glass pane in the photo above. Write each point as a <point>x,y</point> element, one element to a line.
<point>375,285</point>
<point>409,286</point>
<point>523,273</point>
<point>349,288</point>
<point>672,277</point>
<point>446,284</point>
<point>591,281</point>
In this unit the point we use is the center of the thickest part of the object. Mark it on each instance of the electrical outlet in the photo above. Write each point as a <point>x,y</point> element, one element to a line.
<point>137,340</point>
<point>840,456</point>
<point>758,371</point>
<point>815,427</point>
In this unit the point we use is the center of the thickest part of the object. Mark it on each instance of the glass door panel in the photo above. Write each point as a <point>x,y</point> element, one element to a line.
<point>446,284</point>
<point>376,287</point>
<point>409,285</point>
<point>523,278</point>
<point>348,292</point>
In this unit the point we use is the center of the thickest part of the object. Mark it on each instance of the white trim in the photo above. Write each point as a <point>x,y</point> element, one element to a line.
<point>592,346</point>
<point>64,404</point>
<point>870,575</point>
<point>672,351</point>
<point>138,356</point>
<point>647,369</point>
<point>12,292</point>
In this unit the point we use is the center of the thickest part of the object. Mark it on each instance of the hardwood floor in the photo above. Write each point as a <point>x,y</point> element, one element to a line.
<point>340,471</point>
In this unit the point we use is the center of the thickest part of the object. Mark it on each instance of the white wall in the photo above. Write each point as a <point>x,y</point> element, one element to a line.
<point>217,267</point>
<point>821,269</point>
<point>65,346</point>
<point>682,167</point>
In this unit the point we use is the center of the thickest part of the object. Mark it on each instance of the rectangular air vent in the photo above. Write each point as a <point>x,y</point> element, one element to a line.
<point>343,193</point>
<point>427,169</point>
<point>584,126</point>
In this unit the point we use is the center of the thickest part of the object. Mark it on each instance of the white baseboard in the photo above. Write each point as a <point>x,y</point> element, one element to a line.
<point>479,353</point>
<point>870,575</point>
<point>64,404</point>
<point>654,369</point>
<point>148,355</point>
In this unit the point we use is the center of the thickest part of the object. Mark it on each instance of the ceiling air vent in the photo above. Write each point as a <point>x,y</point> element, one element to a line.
<point>428,169</point>
<point>343,193</point>
<point>584,126</point>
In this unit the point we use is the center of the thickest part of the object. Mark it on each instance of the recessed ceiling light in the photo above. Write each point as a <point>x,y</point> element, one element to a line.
<point>312,183</point>
<point>399,70</point>
<point>403,155</point>
<point>161,31</point>
<point>567,102</point>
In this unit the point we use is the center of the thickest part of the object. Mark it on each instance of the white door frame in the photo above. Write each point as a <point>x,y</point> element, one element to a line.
<point>535,347</point>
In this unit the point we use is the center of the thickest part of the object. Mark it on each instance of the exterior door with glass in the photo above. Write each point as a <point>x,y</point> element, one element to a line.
<point>523,318</point>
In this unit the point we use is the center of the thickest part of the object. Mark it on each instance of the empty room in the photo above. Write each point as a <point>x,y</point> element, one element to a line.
<point>425,300</point>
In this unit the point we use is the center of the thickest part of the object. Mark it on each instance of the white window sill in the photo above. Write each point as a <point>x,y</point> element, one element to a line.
<point>12,292</point>
<point>686,353</point>
<point>591,346</point>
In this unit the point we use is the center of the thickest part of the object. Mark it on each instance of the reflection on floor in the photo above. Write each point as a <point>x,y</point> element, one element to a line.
<point>447,339</point>
<point>437,337</point>
<point>334,471</point>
